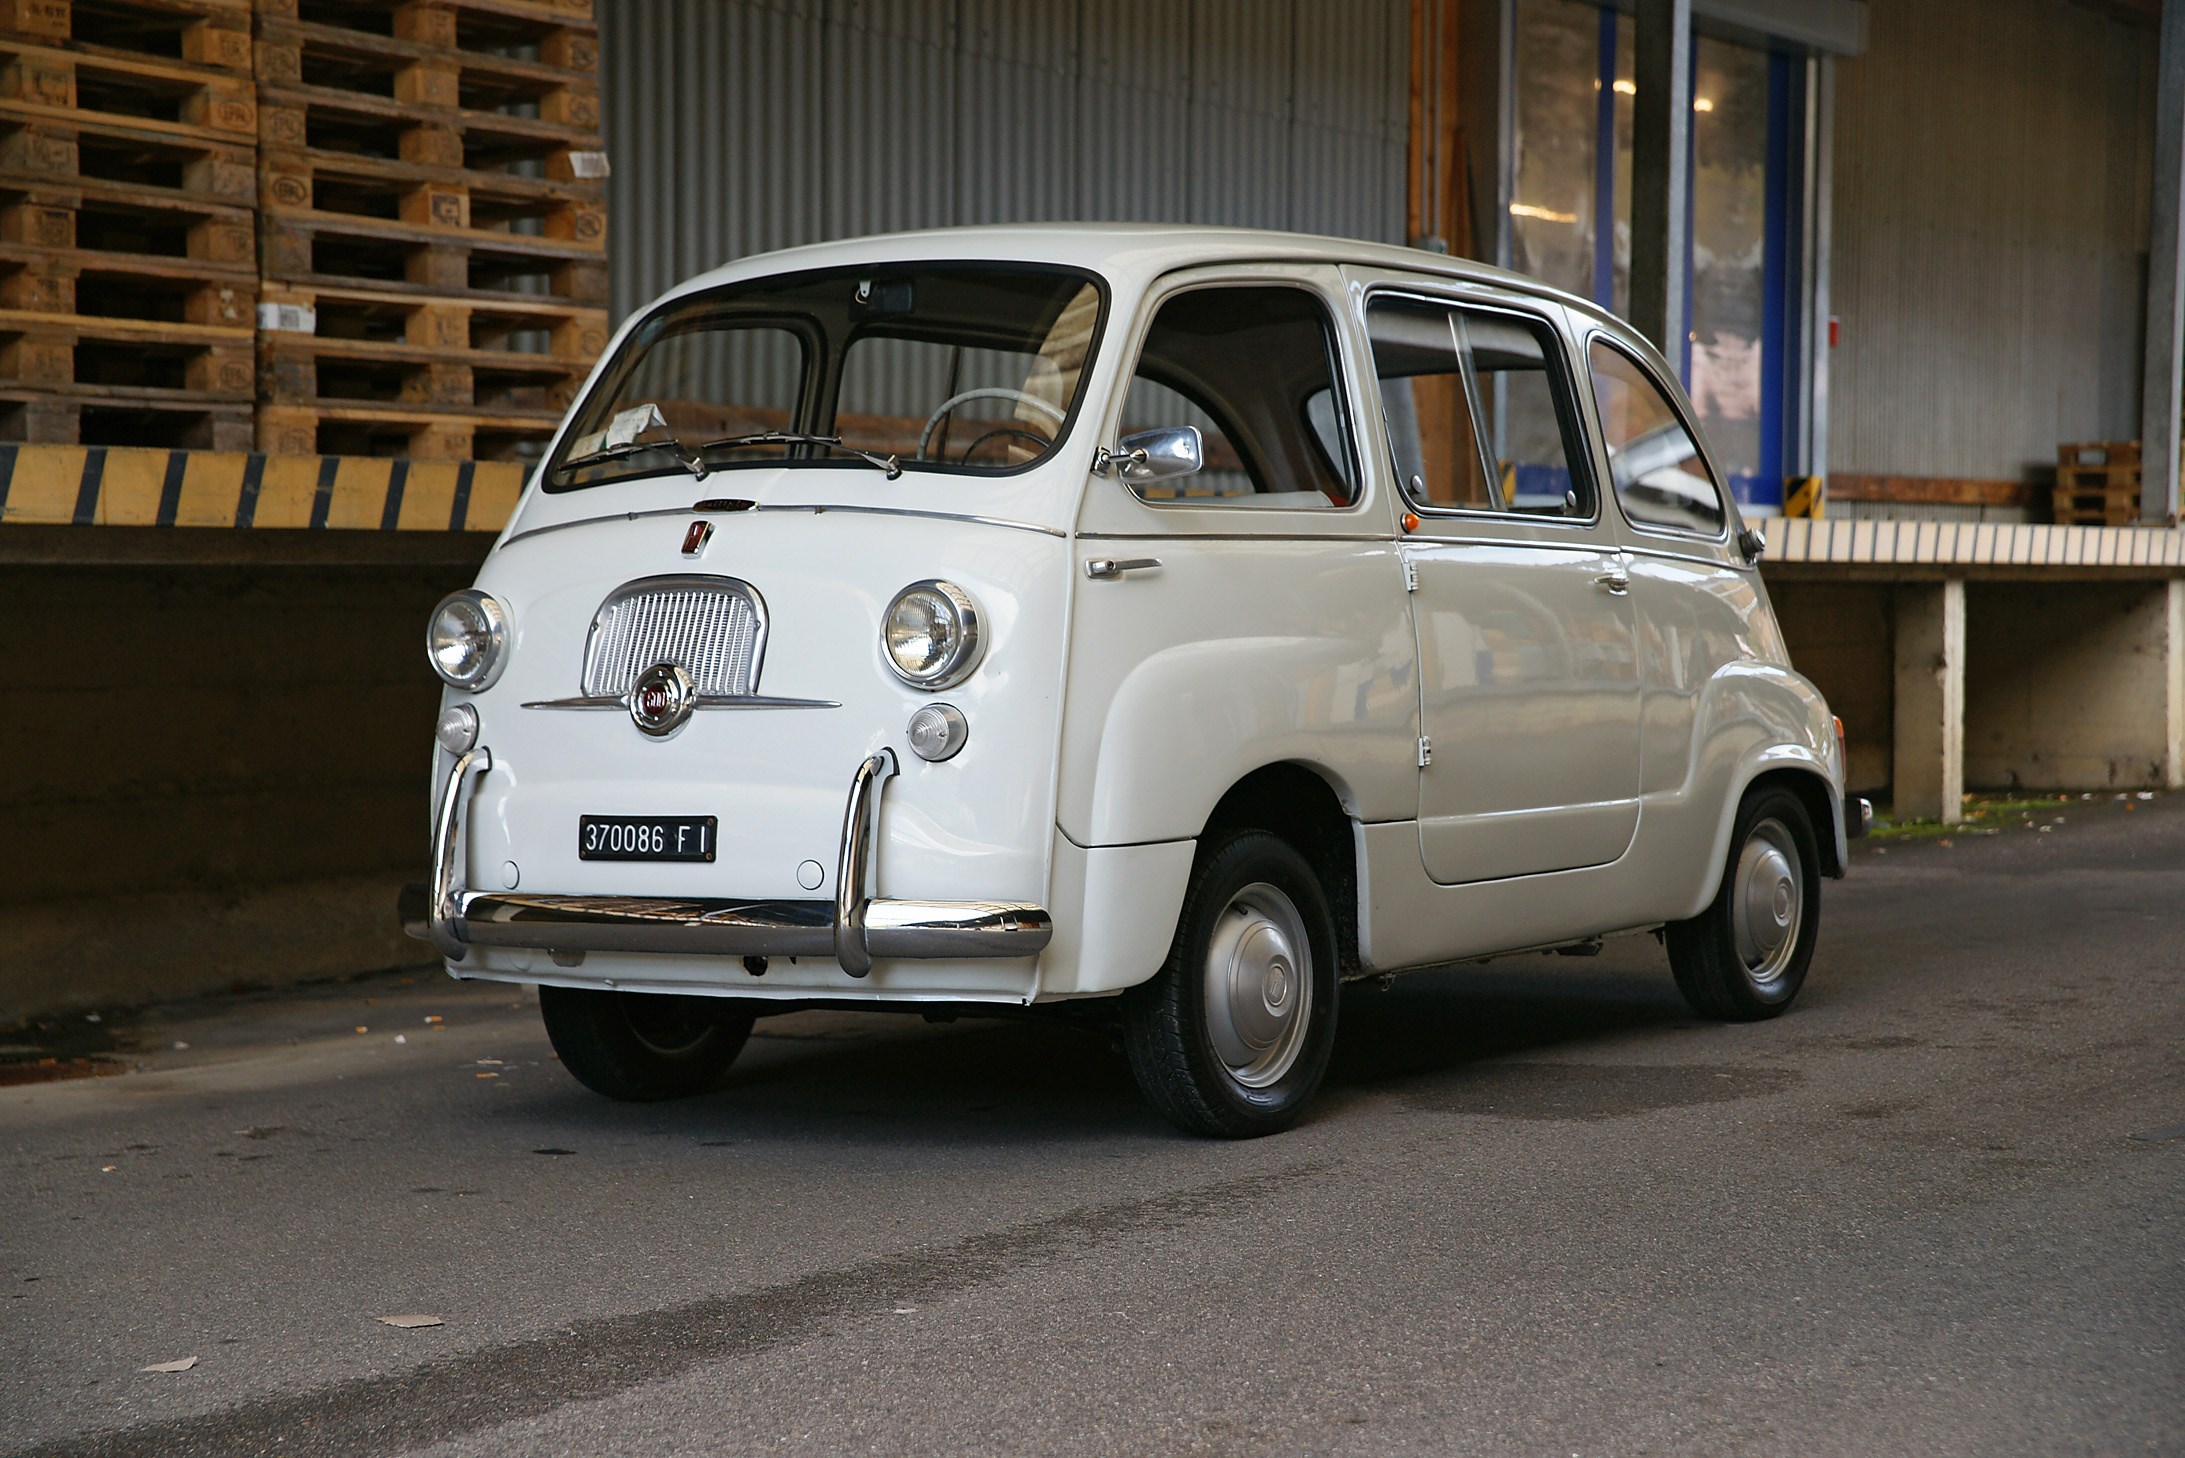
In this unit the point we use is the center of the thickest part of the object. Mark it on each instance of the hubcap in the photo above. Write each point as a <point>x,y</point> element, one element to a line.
<point>1767,908</point>
<point>1259,985</point>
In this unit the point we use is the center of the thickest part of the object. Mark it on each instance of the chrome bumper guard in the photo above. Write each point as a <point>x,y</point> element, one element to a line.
<point>854,928</point>
<point>1858,816</point>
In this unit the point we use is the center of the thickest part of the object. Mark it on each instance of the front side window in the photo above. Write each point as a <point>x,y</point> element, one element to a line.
<point>1255,368</point>
<point>1661,478</point>
<point>1478,415</point>
<point>951,369</point>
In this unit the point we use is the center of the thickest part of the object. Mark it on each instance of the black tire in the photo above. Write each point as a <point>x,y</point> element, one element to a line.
<point>1730,969</point>
<point>641,1047</point>
<point>1174,1031</point>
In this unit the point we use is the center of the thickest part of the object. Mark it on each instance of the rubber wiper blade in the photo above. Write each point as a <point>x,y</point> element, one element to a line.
<point>889,464</point>
<point>690,460</point>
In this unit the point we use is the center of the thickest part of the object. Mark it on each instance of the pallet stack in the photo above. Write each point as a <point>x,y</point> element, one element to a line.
<point>128,271</point>
<point>320,227</point>
<point>2097,484</point>
<point>432,224</point>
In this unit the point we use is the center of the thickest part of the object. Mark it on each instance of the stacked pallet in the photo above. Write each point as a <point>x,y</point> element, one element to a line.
<point>128,152</point>
<point>2097,484</point>
<point>432,224</point>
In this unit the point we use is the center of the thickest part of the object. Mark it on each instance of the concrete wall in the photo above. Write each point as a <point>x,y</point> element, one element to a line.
<point>215,775</point>
<point>2068,688</point>
<point>1840,635</point>
<point>1993,164</point>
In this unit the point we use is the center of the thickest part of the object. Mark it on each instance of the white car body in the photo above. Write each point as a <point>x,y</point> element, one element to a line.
<point>1300,661</point>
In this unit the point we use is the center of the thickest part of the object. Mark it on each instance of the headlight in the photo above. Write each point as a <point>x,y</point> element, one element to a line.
<point>467,640</point>
<point>931,635</point>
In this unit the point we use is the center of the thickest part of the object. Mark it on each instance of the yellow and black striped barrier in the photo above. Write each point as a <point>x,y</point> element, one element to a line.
<point>54,485</point>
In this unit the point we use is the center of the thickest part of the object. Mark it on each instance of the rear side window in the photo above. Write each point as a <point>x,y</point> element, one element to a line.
<point>1479,415</point>
<point>1255,369</point>
<point>1661,478</point>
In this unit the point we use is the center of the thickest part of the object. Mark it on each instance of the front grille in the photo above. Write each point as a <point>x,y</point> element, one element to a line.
<point>713,627</point>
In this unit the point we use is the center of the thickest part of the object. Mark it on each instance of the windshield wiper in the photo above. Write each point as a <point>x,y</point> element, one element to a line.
<point>690,460</point>
<point>889,464</point>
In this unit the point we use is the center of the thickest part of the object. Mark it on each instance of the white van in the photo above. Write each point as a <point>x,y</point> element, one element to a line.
<point>1190,620</point>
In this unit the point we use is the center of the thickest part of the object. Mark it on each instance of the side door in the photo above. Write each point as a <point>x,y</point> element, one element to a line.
<point>1699,604</point>
<point>1251,612</point>
<point>1527,641</point>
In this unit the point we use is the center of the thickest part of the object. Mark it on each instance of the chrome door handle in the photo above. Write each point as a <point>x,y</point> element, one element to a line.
<point>1117,566</point>
<point>1616,582</point>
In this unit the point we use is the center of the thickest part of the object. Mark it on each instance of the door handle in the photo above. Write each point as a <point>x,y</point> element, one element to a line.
<point>1617,583</point>
<point>1117,566</point>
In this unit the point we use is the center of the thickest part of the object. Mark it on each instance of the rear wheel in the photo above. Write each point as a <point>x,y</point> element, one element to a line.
<point>1745,957</point>
<point>644,1046</point>
<point>1233,1036</point>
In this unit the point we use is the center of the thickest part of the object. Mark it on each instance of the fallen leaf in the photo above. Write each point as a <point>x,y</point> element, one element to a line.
<point>489,1075</point>
<point>181,1047</point>
<point>399,1038</point>
<point>362,1029</point>
<point>108,1168</point>
<point>406,1322</point>
<point>180,1365</point>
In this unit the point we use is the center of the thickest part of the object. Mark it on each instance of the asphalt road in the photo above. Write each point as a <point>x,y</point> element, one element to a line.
<point>1540,1210</point>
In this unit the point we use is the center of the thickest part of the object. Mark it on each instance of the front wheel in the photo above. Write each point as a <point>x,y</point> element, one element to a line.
<point>1233,1035</point>
<point>640,1047</point>
<point>1745,957</point>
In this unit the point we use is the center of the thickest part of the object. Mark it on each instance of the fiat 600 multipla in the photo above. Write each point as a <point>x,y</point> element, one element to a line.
<point>1162,625</point>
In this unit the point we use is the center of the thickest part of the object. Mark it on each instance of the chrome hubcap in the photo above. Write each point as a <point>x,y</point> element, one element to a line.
<point>1259,985</point>
<point>1768,902</point>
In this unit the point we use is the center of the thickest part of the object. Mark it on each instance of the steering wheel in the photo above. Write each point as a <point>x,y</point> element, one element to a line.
<point>1039,442</point>
<point>985,392</point>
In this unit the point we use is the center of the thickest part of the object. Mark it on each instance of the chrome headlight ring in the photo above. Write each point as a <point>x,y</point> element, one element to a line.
<point>931,635</point>
<point>466,640</point>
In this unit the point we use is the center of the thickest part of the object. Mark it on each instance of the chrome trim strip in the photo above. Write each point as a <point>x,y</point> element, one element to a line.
<point>860,829</point>
<point>815,509</point>
<point>701,701</point>
<point>724,927</point>
<point>443,912</point>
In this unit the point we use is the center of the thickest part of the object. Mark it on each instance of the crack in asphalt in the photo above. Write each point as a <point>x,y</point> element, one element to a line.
<point>601,1357</point>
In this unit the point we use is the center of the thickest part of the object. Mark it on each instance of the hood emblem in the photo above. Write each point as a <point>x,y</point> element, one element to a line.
<point>661,699</point>
<point>695,539</point>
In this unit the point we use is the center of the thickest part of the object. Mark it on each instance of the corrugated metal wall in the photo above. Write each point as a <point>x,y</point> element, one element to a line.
<point>1993,160</point>
<point>735,126</point>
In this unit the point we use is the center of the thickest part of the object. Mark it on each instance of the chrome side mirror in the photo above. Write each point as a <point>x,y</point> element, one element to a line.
<point>1752,542</point>
<point>1153,455</point>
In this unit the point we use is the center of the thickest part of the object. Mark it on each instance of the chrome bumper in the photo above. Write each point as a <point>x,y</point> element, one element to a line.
<point>854,928</point>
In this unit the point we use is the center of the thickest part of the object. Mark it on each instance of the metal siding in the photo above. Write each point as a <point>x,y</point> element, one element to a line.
<point>1989,221</point>
<point>736,126</point>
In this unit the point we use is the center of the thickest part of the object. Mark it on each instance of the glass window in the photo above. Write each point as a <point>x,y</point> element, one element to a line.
<point>1660,477</point>
<point>952,368</point>
<point>1478,416</point>
<point>1255,369</point>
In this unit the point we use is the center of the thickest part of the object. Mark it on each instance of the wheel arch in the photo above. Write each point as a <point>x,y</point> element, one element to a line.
<point>1305,807</point>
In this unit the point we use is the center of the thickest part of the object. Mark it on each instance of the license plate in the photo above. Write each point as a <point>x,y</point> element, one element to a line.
<point>645,837</point>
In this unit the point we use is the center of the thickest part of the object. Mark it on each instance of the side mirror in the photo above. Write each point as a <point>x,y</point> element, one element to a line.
<point>1752,543</point>
<point>1153,455</point>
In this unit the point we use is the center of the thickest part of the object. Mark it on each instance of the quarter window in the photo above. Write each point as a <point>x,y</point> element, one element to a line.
<point>1478,415</point>
<point>1255,369</point>
<point>1661,478</point>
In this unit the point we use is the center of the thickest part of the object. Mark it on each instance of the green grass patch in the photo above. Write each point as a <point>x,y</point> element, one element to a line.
<point>1982,812</point>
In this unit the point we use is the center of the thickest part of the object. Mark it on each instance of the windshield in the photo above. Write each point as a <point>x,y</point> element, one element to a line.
<point>959,368</point>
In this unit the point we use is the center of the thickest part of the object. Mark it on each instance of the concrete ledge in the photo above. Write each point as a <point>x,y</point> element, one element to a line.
<point>1907,550</point>
<point>72,956</point>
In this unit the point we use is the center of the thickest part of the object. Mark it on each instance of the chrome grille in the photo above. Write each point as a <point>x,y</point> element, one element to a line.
<point>713,627</point>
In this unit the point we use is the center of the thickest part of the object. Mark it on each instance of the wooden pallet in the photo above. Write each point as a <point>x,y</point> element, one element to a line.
<point>311,181</point>
<point>2097,495</point>
<point>126,90</point>
<point>398,430</point>
<point>209,33</point>
<point>2087,455</point>
<point>64,351</point>
<point>343,250</point>
<point>113,415</point>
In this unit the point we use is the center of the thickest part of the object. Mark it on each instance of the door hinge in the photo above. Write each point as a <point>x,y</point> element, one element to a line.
<point>1426,751</point>
<point>1411,575</point>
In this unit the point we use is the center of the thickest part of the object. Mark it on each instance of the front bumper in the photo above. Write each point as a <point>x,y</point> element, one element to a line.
<point>854,928</point>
